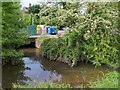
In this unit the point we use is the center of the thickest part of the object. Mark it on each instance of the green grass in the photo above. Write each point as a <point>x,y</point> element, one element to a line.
<point>110,80</point>
<point>43,85</point>
<point>42,38</point>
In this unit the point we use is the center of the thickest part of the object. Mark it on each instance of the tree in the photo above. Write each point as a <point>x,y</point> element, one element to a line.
<point>35,9</point>
<point>12,38</point>
<point>99,33</point>
<point>95,33</point>
<point>57,16</point>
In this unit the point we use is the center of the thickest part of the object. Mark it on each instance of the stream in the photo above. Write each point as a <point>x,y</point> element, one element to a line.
<point>36,69</point>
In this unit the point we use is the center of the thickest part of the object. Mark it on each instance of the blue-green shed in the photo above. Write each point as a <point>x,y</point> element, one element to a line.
<point>31,29</point>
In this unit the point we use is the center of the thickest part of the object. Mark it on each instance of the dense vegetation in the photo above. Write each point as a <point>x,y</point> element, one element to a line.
<point>35,9</point>
<point>110,80</point>
<point>59,14</point>
<point>43,85</point>
<point>61,50</point>
<point>12,37</point>
<point>92,36</point>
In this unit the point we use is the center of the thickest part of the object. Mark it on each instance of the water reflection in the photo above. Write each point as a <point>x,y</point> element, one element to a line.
<point>12,74</point>
<point>38,73</point>
<point>37,69</point>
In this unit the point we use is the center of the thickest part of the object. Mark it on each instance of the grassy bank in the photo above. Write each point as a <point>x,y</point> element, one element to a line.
<point>43,85</point>
<point>110,80</point>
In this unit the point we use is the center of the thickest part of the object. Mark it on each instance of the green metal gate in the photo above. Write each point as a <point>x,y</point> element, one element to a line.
<point>31,30</point>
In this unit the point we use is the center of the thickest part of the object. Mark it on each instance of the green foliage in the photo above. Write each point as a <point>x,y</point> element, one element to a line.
<point>0,27</point>
<point>49,48</point>
<point>110,80</point>
<point>42,38</point>
<point>10,55</point>
<point>43,85</point>
<point>27,18</point>
<point>34,9</point>
<point>12,25</point>
<point>64,49</point>
<point>32,13</point>
<point>48,15</point>
<point>93,35</point>
<point>53,15</point>
<point>100,34</point>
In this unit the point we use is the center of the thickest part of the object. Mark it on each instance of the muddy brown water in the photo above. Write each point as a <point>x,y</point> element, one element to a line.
<point>36,69</point>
